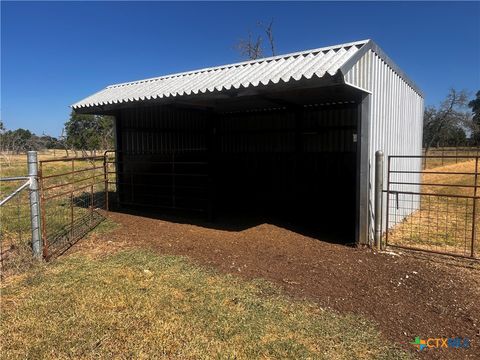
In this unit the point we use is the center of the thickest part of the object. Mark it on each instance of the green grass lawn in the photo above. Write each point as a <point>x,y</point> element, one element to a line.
<point>137,304</point>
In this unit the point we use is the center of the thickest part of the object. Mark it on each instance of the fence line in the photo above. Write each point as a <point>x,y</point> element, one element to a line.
<point>434,157</point>
<point>438,213</point>
<point>17,218</point>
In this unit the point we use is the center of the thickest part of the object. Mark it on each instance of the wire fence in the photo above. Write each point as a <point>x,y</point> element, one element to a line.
<point>74,195</point>
<point>15,226</point>
<point>440,156</point>
<point>439,211</point>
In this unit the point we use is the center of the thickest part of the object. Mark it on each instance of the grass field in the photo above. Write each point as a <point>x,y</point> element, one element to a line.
<point>136,304</point>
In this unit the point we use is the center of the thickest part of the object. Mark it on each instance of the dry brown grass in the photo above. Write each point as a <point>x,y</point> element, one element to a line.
<point>440,156</point>
<point>441,223</point>
<point>136,304</point>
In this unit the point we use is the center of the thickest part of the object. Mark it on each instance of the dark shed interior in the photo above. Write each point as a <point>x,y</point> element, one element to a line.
<point>289,156</point>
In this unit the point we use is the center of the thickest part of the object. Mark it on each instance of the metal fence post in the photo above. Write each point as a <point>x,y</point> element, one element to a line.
<point>105,179</point>
<point>474,210</point>
<point>378,197</point>
<point>387,206</point>
<point>34,203</point>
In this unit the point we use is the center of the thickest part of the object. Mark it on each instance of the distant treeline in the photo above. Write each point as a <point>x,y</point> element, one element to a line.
<point>81,133</point>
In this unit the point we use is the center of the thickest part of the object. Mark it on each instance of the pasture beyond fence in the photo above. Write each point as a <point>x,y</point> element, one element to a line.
<point>440,156</point>
<point>434,209</point>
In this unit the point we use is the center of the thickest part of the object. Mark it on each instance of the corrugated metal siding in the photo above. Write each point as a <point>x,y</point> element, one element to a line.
<point>330,129</point>
<point>284,68</point>
<point>257,132</point>
<point>396,123</point>
<point>154,130</point>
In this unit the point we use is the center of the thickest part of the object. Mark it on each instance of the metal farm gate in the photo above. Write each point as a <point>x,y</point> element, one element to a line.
<point>74,196</point>
<point>434,208</point>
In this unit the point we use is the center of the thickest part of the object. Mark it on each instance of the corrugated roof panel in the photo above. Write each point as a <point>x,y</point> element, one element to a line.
<point>246,74</point>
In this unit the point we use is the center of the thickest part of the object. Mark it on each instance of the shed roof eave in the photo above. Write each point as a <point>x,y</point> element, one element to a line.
<point>358,88</point>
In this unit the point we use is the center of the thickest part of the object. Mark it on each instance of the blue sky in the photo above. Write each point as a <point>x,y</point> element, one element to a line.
<point>55,53</point>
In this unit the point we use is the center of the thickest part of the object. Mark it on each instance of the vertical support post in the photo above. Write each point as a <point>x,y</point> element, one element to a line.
<point>34,203</point>
<point>363,226</point>
<point>378,198</point>
<point>474,210</point>
<point>212,162</point>
<point>174,187</point>
<point>388,202</point>
<point>118,160</point>
<point>91,190</point>
<point>425,159</point>
<point>105,178</point>
<point>299,162</point>
<point>91,204</point>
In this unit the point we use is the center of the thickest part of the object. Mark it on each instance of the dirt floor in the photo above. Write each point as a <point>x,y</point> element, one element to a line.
<point>406,295</point>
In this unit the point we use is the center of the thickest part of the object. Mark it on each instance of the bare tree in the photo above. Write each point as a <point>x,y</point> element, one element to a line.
<point>252,47</point>
<point>269,33</point>
<point>438,123</point>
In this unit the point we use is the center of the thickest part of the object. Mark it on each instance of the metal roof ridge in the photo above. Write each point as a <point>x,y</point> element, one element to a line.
<point>242,63</point>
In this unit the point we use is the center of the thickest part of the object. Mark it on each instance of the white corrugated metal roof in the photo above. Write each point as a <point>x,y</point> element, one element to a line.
<point>265,71</point>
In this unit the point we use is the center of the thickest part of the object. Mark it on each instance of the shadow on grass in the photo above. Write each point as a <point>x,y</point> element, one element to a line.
<point>67,236</point>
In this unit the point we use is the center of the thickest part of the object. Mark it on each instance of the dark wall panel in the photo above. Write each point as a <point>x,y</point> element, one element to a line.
<point>298,164</point>
<point>163,158</point>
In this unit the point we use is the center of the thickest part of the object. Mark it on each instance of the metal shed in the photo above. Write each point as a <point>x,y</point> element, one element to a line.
<point>291,135</point>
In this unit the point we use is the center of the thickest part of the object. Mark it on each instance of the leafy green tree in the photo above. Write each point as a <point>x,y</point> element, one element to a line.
<point>50,142</point>
<point>89,132</point>
<point>475,106</point>
<point>20,140</point>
